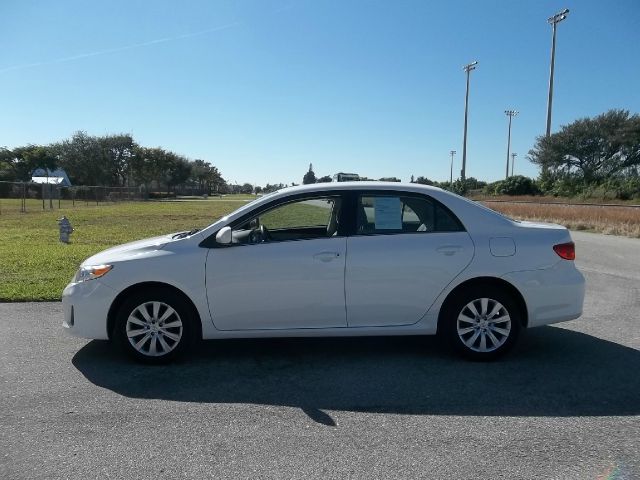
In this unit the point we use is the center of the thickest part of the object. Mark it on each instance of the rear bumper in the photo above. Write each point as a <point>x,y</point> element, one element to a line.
<point>86,306</point>
<point>552,295</point>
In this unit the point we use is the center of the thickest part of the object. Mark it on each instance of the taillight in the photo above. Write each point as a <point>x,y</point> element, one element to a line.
<point>566,250</point>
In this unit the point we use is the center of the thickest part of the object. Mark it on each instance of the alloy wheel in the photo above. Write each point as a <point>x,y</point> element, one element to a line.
<point>483,325</point>
<point>154,329</point>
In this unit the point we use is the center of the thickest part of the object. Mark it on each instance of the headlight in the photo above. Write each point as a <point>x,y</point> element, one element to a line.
<point>91,272</point>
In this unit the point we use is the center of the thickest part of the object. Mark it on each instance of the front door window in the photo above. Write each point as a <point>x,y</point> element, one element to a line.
<point>298,220</point>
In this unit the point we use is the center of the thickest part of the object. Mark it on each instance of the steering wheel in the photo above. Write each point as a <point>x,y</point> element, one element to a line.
<point>264,233</point>
<point>259,235</point>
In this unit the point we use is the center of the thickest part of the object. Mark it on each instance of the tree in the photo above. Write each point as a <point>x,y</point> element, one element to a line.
<point>45,159</point>
<point>138,166</point>
<point>309,177</point>
<point>216,181</point>
<point>325,179</point>
<point>18,164</point>
<point>207,176</point>
<point>246,188</point>
<point>178,170</point>
<point>390,179</point>
<point>83,159</point>
<point>459,187</point>
<point>268,188</point>
<point>200,172</point>
<point>590,150</point>
<point>13,166</point>
<point>150,165</point>
<point>6,170</point>
<point>6,164</point>
<point>41,157</point>
<point>474,184</point>
<point>117,151</point>
<point>424,181</point>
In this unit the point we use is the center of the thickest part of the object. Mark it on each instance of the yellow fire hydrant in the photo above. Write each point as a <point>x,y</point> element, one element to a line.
<point>65,229</point>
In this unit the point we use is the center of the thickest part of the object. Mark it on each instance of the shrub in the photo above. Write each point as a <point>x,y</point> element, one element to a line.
<point>161,195</point>
<point>516,185</point>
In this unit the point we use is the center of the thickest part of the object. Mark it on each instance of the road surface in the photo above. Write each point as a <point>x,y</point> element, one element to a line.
<point>564,405</point>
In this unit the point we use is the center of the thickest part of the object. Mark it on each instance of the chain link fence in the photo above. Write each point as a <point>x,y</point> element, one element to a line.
<point>29,197</point>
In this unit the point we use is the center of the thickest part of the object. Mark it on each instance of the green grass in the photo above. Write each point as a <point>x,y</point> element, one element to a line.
<point>34,265</point>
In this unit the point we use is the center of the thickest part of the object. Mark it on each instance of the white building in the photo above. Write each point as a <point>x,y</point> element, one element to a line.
<point>56,177</point>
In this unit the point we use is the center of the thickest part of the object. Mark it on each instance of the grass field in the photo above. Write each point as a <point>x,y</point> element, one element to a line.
<point>608,220</point>
<point>551,199</point>
<point>34,265</point>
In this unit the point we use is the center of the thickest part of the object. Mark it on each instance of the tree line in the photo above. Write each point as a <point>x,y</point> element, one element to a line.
<point>111,160</point>
<point>598,156</point>
<point>590,157</point>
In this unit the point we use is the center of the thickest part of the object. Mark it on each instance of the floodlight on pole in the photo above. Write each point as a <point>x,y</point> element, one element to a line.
<point>513,159</point>
<point>510,114</point>
<point>452,152</point>
<point>467,68</point>
<point>553,21</point>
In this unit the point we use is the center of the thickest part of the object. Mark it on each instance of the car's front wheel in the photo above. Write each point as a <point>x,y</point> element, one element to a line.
<point>483,323</point>
<point>154,326</point>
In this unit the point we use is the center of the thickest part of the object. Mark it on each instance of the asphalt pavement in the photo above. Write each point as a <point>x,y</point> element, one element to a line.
<point>564,405</point>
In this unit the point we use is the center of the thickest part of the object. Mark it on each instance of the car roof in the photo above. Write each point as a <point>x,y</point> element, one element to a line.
<point>318,187</point>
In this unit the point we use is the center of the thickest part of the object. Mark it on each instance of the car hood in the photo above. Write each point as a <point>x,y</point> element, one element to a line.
<point>128,250</point>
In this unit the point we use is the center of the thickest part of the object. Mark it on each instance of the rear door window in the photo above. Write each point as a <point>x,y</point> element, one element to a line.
<point>380,214</point>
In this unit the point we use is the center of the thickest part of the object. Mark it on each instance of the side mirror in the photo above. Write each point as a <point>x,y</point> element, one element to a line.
<point>223,237</point>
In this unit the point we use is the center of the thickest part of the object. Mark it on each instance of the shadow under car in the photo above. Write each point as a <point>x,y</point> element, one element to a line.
<point>553,372</point>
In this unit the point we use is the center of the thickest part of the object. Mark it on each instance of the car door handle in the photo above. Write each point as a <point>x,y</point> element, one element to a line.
<point>326,256</point>
<point>449,250</point>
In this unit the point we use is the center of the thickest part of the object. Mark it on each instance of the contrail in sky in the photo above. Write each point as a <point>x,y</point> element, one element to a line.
<point>120,49</point>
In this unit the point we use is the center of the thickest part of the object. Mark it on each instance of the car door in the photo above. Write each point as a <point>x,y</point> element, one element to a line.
<point>290,277</point>
<point>405,250</point>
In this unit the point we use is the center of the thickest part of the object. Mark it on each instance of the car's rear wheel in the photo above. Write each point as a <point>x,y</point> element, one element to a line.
<point>483,323</point>
<point>154,326</point>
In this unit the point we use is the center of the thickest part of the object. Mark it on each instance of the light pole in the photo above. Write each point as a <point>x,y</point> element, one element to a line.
<point>553,21</point>
<point>513,159</point>
<point>452,152</point>
<point>510,114</point>
<point>467,68</point>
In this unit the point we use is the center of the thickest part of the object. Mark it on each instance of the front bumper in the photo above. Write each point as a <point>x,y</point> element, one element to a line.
<point>553,294</point>
<point>86,306</point>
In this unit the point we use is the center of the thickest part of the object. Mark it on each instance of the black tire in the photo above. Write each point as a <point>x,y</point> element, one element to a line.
<point>466,337</point>
<point>166,339</point>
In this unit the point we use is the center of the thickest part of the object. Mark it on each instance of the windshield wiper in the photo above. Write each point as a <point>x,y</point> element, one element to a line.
<point>186,234</point>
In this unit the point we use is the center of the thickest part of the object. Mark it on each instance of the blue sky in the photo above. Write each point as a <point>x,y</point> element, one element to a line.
<point>263,88</point>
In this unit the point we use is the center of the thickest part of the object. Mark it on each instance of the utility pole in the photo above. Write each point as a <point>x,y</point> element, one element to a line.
<point>510,114</point>
<point>513,159</point>
<point>553,21</point>
<point>452,152</point>
<point>467,68</point>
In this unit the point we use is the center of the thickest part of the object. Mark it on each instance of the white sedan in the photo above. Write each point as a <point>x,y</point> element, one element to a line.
<point>332,259</point>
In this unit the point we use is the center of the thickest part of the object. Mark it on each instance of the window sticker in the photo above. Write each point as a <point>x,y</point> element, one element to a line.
<point>388,213</point>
